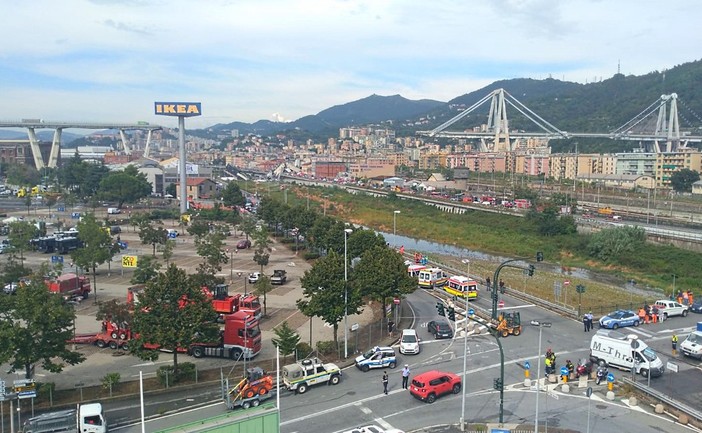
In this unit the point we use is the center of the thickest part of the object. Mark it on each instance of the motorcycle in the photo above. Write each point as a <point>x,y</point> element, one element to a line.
<point>584,368</point>
<point>601,373</point>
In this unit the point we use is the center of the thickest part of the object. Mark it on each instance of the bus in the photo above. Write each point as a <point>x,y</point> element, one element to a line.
<point>432,277</point>
<point>462,286</point>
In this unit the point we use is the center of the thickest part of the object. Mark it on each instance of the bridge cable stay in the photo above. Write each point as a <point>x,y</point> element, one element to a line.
<point>639,117</point>
<point>529,114</point>
<point>461,115</point>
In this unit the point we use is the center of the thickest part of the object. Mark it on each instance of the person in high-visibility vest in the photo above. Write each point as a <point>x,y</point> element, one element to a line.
<point>674,340</point>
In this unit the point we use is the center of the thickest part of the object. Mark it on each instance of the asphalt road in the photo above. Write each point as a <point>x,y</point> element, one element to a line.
<point>358,399</point>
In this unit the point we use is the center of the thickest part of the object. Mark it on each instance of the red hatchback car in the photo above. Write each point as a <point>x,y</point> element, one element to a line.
<point>432,384</point>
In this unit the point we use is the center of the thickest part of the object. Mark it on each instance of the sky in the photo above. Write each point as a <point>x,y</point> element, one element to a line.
<point>247,60</point>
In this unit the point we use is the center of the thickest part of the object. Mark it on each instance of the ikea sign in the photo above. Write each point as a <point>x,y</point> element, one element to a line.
<point>180,109</point>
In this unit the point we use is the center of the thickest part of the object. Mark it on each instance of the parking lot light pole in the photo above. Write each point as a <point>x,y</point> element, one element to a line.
<point>346,293</point>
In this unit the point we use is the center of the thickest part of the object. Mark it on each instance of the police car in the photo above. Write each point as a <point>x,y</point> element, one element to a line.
<point>377,357</point>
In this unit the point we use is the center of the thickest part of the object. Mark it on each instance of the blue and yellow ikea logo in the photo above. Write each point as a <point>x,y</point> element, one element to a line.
<point>184,109</point>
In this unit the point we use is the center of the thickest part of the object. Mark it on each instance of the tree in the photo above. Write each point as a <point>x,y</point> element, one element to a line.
<point>324,291</point>
<point>327,234</point>
<point>128,186</point>
<point>609,244</point>
<point>34,325</point>
<point>167,252</point>
<point>146,270</point>
<point>21,232</point>
<point>211,248</point>
<point>382,274</point>
<point>152,233</point>
<point>286,339</point>
<point>22,174</point>
<point>232,196</point>
<point>248,225</point>
<point>262,287</point>
<point>682,180</point>
<point>13,270</point>
<point>114,311</point>
<point>363,240</point>
<point>175,314</point>
<point>549,223</point>
<point>198,228</point>
<point>97,248</point>
<point>262,248</point>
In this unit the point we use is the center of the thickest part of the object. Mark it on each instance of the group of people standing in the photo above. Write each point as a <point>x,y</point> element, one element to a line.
<point>550,361</point>
<point>684,297</point>
<point>587,321</point>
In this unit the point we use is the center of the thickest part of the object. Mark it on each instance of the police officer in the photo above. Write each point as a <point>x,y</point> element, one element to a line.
<point>405,376</point>
<point>385,382</point>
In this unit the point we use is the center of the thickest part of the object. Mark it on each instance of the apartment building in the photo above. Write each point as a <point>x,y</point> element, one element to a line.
<point>669,162</point>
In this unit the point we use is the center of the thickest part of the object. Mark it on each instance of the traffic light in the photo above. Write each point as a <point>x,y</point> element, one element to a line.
<point>440,309</point>
<point>531,270</point>
<point>451,314</point>
<point>497,384</point>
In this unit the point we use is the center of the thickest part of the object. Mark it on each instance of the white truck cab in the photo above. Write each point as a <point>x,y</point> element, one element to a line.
<point>692,346</point>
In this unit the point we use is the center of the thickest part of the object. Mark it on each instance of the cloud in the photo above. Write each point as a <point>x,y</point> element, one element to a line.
<point>246,59</point>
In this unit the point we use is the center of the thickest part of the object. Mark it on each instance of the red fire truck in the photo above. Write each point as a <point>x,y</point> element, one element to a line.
<point>241,337</point>
<point>225,304</point>
<point>69,285</point>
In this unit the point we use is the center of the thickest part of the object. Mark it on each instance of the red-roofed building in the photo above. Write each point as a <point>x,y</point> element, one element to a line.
<point>198,188</point>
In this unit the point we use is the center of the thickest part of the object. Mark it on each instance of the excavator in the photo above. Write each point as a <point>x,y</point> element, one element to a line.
<point>253,388</point>
<point>509,324</point>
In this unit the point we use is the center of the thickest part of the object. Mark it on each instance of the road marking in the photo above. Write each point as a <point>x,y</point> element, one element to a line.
<point>386,425</point>
<point>638,331</point>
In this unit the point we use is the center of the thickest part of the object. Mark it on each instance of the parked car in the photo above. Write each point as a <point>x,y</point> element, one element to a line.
<point>696,307</point>
<point>439,329</point>
<point>620,319</point>
<point>409,343</point>
<point>254,277</point>
<point>243,244</point>
<point>3,248</point>
<point>432,384</point>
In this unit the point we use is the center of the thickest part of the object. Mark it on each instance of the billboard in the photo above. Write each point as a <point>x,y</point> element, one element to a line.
<point>179,109</point>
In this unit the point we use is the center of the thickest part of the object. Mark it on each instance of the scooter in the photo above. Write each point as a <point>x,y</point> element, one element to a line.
<point>584,368</point>
<point>601,373</point>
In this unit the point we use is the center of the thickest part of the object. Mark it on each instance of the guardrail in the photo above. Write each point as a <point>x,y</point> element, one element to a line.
<point>694,415</point>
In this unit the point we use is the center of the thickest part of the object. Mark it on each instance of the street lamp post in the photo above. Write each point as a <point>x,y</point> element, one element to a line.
<point>541,326</point>
<point>346,293</point>
<point>673,285</point>
<point>394,222</point>
<point>231,265</point>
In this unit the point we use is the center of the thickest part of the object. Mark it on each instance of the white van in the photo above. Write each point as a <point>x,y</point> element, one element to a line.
<point>409,343</point>
<point>625,352</point>
<point>113,211</point>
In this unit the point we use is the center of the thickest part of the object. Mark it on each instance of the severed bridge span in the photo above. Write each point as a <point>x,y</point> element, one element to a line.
<point>31,125</point>
<point>657,127</point>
